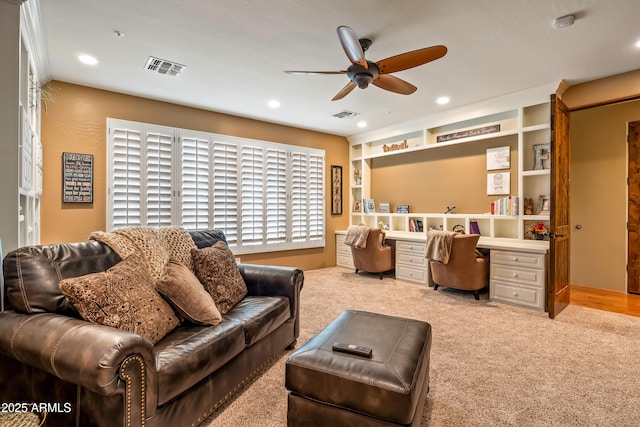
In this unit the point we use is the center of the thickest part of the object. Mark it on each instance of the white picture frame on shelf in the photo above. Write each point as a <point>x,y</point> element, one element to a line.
<point>384,207</point>
<point>498,158</point>
<point>368,206</point>
<point>498,183</point>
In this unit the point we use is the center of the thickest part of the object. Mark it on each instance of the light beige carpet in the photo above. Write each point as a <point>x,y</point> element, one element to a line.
<point>492,364</point>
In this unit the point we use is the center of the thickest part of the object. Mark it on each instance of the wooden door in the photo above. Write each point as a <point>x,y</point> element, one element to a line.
<point>633,210</point>
<point>558,283</point>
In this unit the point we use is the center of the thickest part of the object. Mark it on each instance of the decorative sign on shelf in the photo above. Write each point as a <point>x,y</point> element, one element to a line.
<point>395,147</point>
<point>469,133</point>
<point>77,178</point>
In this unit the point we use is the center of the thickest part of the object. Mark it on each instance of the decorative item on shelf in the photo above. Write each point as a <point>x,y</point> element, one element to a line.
<point>474,228</point>
<point>356,206</point>
<point>383,226</point>
<point>528,206</point>
<point>498,158</point>
<point>368,206</point>
<point>498,183</point>
<point>542,153</point>
<point>544,205</point>
<point>402,208</point>
<point>538,231</point>
<point>357,176</point>
<point>449,210</point>
<point>384,207</point>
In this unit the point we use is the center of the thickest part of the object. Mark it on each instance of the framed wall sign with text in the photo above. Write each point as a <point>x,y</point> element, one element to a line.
<point>77,178</point>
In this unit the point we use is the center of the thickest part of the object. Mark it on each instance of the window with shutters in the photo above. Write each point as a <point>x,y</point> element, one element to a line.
<point>264,196</point>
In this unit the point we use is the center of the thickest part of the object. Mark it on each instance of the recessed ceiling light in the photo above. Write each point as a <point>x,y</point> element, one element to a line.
<point>362,124</point>
<point>274,103</point>
<point>443,100</point>
<point>638,44</point>
<point>87,59</point>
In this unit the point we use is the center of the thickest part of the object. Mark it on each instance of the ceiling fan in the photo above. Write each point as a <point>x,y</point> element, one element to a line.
<point>362,72</point>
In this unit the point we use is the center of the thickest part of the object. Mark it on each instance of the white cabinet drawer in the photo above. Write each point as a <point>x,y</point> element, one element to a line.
<point>411,274</point>
<point>519,259</point>
<point>411,247</point>
<point>523,276</point>
<point>344,260</point>
<point>521,295</point>
<point>410,259</point>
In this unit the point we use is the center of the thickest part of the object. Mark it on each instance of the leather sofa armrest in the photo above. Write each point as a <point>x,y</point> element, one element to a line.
<point>264,280</point>
<point>80,352</point>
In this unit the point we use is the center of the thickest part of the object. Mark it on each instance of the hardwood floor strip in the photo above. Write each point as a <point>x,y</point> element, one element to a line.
<point>606,300</point>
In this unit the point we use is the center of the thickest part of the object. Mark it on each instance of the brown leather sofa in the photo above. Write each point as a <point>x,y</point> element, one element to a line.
<point>85,374</point>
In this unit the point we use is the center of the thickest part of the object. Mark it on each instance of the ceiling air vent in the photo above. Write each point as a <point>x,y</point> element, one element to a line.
<point>163,66</point>
<point>345,114</point>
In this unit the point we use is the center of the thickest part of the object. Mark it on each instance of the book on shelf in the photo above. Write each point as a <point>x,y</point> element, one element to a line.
<point>509,205</point>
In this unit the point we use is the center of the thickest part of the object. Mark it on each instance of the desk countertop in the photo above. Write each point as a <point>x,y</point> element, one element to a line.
<point>484,242</point>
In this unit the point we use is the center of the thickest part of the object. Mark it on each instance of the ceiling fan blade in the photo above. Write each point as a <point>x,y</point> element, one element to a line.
<point>345,91</point>
<point>351,46</point>
<point>316,72</point>
<point>407,60</point>
<point>394,84</point>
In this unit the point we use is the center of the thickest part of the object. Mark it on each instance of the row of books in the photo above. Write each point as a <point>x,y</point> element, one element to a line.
<point>509,205</point>
<point>415,225</point>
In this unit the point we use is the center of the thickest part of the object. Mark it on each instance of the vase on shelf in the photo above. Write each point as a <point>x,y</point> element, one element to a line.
<point>538,236</point>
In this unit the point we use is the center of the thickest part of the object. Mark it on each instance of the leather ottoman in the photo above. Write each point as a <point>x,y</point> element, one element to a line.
<point>328,387</point>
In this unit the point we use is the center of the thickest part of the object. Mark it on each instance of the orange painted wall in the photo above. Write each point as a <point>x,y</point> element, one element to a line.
<point>75,121</point>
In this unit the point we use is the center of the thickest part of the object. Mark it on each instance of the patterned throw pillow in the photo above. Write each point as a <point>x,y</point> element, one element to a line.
<point>122,297</point>
<point>187,295</point>
<point>218,272</point>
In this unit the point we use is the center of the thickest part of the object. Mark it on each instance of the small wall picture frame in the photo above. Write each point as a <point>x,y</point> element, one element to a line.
<point>498,158</point>
<point>544,205</point>
<point>336,190</point>
<point>498,183</point>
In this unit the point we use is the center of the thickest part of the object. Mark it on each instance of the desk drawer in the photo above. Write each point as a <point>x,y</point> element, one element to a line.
<point>411,274</point>
<point>411,259</point>
<point>523,276</point>
<point>521,295</point>
<point>412,248</point>
<point>518,259</point>
<point>345,260</point>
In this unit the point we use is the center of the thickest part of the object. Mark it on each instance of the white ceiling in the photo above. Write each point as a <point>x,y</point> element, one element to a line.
<point>235,51</point>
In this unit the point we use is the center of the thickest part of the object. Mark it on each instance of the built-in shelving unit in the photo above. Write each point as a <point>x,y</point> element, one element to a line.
<point>30,147</point>
<point>525,118</point>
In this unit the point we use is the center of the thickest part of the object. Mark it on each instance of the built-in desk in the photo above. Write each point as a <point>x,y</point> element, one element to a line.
<point>518,268</point>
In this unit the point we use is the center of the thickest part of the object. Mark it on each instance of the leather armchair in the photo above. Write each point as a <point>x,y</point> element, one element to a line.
<point>464,270</point>
<point>375,257</point>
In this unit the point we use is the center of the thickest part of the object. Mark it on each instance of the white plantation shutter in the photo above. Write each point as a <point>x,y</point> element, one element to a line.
<point>158,179</point>
<point>276,196</point>
<point>299,185</point>
<point>252,195</point>
<point>124,207</point>
<point>315,202</point>
<point>225,189</point>
<point>195,183</point>
<point>264,196</point>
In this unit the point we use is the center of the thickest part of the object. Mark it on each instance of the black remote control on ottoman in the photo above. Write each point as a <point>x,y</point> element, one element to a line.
<point>352,349</point>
